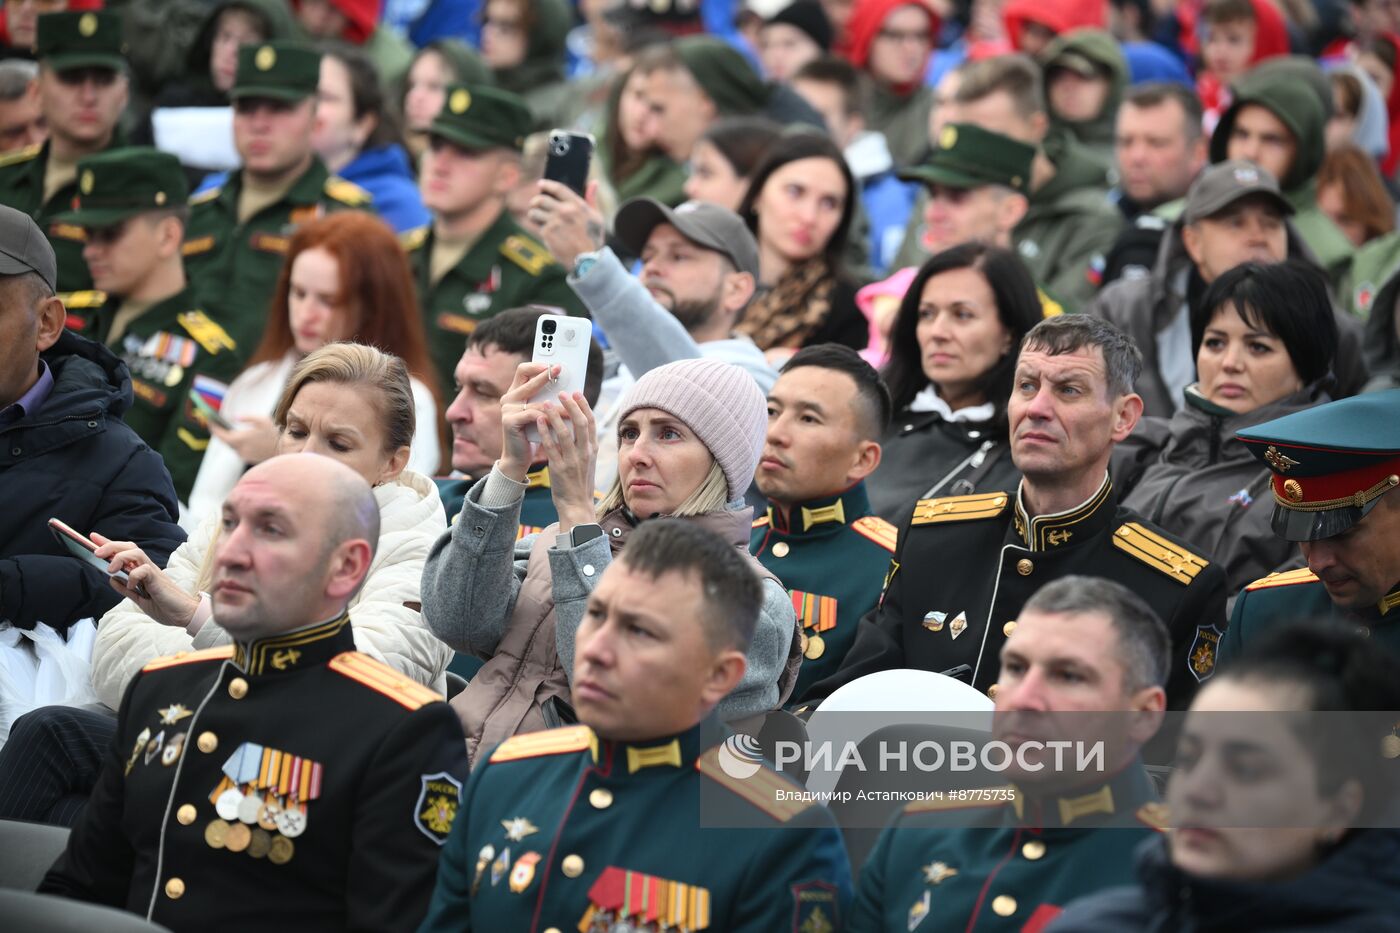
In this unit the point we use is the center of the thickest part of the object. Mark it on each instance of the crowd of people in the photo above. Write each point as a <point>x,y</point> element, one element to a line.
<point>1049,347</point>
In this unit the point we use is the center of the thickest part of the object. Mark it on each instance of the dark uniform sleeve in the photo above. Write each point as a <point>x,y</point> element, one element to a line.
<point>186,435</point>
<point>865,916</point>
<point>395,855</point>
<point>879,643</point>
<point>802,882</point>
<point>1202,609</point>
<point>451,907</point>
<point>1232,643</point>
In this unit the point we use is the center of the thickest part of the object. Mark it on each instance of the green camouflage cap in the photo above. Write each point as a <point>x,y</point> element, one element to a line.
<point>121,183</point>
<point>286,71</point>
<point>92,39</point>
<point>967,156</point>
<point>480,117</point>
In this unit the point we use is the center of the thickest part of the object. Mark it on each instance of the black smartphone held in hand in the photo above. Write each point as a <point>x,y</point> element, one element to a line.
<point>570,155</point>
<point>82,547</point>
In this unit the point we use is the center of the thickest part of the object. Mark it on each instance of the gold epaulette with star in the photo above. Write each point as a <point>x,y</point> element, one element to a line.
<point>1301,575</point>
<point>1158,553</point>
<point>761,521</point>
<point>20,155</point>
<point>347,192</point>
<point>410,240</point>
<point>206,196</point>
<point>190,657</point>
<point>379,676</point>
<point>760,789</point>
<point>1154,815</point>
<point>87,299</point>
<point>960,508</point>
<point>549,742</point>
<point>206,331</point>
<point>878,530</point>
<point>526,253</point>
<point>962,800</point>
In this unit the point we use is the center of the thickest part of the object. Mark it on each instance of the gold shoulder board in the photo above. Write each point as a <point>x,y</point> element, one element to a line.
<point>960,508</point>
<point>88,299</point>
<point>1158,553</point>
<point>204,197</point>
<point>347,192</point>
<point>381,677</point>
<point>526,253</point>
<point>549,742</point>
<point>760,789</point>
<point>878,530</point>
<point>1302,575</point>
<point>996,797</point>
<point>761,522</point>
<point>413,239</point>
<point>190,657</point>
<point>206,332</point>
<point>1154,815</point>
<point>20,155</point>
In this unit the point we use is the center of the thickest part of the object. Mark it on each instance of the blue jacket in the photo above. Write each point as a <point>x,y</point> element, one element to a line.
<point>387,174</point>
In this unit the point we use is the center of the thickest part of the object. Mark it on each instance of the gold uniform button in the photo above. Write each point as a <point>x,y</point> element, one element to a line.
<point>1004,906</point>
<point>186,814</point>
<point>781,549</point>
<point>1024,567</point>
<point>1033,850</point>
<point>238,687</point>
<point>174,889</point>
<point>208,741</point>
<point>601,798</point>
<point>572,866</point>
<point>992,690</point>
<point>1008,628</point>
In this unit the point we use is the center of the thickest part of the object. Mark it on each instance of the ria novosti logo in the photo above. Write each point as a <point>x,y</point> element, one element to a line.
<point>740,756</point>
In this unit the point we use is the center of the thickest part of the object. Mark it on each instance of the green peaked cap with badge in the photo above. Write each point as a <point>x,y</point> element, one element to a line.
<point>479,117</point>
<point>967,156</point>
<point>92,39</point>
<point>1331,463</point>
<point>288,71</point>
<point>121,183</point>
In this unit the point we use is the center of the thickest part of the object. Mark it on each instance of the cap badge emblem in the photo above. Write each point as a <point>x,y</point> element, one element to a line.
<point>265,58</point>
<point>460,101</point>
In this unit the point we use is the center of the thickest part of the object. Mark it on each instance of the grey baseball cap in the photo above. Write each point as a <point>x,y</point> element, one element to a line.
<point>1220,185</point>
<point>24,248</point>
<point>706,225</point>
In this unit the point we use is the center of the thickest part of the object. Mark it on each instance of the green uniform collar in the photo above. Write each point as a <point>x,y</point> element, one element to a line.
<point>662,756</point>
<point>307,190</point>
<point>485,253</point>
<point>296,650</point>
<point>1113,801</point>
<point>1073,526</point>
<point>821,516</point>
<point>166,309</point>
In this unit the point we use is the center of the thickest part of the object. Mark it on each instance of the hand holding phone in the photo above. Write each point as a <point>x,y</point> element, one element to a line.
<point>83,548</point>
<point>560,341</point>
<point>210,413</point>
<point>569,158</point>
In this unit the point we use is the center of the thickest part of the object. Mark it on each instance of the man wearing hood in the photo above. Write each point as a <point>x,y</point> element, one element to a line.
<point>892,41</point>
<point>522,41</point>
<point>1085,76</point>
<point>356,22</point>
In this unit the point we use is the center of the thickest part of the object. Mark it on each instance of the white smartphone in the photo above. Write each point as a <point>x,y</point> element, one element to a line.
<point>560,341</point>
<point>82,547</point>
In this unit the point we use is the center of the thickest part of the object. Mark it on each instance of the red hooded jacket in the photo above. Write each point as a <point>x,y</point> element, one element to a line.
<point>1270,40</point>
<point>363,16</point>
<point>867,16</point>
<point>76,6</point>
<point>1057,15</point>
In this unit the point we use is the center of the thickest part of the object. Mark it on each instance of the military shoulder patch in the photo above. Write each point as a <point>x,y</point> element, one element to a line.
<point>347,192</point>
<point>20,155</point>
<point>68,232</point>
<point>439,798</point>
<point>549,742</point>
<point>815,908</point>
<point>190,657</point>
<point>197,246</point>
<point>1154,815</point>
<point>761,788</point>
<point>1158,553</point>
<point>526,253</point>
<point>991,797</point>
<point>761,522</point>
<point>413,239</point>
<point>204,197</point>
<point>960,508</point>
<point>88,299</point>
<point>206,332</point>
<point>376,675</point>
<point>1289,578</point>
<point>878,530</point>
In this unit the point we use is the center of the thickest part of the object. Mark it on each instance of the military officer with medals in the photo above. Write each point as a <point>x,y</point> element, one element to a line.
<point>826,413</point>
<point>1335,468</point>
<point>83,90</point>
<point>1008,859</point>
<point>286,780</point>
<point>966,564</point>
<point>644,817</point>
<point>239,231</point>
<point>132,206</point>
<point>474,260</point>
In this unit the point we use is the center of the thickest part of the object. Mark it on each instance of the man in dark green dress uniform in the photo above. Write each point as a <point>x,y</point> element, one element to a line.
<point>82,91</point>
<point>1335,468</point>
<point>820,538</point>
<point>132,206</point>
<point>1009,858</point>
<point>474,260</point>
<point>239,231</point>
<point>644,816</point>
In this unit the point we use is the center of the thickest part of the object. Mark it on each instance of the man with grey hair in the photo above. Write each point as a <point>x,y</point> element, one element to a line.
<point>1085,663</point>
<point>285,774</point>
<point>21,118</point>
<point>966,565</point>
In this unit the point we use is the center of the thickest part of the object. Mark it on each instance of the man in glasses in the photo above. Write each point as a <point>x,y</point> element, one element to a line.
<point>82,91</point>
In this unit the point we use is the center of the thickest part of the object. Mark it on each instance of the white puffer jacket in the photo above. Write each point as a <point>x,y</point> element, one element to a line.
<point>385,615</point>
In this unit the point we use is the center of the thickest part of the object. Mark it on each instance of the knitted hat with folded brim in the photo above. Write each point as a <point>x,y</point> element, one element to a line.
<point>720,402</point>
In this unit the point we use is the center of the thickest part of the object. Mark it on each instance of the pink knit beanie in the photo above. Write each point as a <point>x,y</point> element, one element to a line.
<point>719,402</point>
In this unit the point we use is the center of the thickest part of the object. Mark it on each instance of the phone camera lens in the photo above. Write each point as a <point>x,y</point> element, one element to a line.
<point>560,145</point>
<point>549,327</point>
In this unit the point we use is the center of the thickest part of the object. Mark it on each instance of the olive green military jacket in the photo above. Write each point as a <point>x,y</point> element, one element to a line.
<point>173,350</point>
<point>234,266</point>
<point>22,187</point>
<point>506,268</point>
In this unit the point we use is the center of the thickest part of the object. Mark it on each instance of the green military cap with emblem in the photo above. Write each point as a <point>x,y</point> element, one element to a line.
<point>288,71</point>
<point>480,117</point>
<point>121,183</point>
<point>967,156</point>
<point>92,39</point>
<point>1331,464</point>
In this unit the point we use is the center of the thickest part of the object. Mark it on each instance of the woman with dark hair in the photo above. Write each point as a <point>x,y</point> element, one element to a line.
<point>357,136</point>
<point>1265,338</point>
<point>799,207</point>
<point>953,351</point>
<point>724,159</point>
<point>1279,773</point>
<point>627,149</point>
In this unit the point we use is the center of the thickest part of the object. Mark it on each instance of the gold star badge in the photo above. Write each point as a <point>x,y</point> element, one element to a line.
<point>460,101</point>
<point>938,872</point>
<point>174,713</point>
<point>518,828</point>
<point>265,58</point>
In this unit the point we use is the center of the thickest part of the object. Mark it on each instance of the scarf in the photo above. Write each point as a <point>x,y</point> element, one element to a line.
<point>792,310</point>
